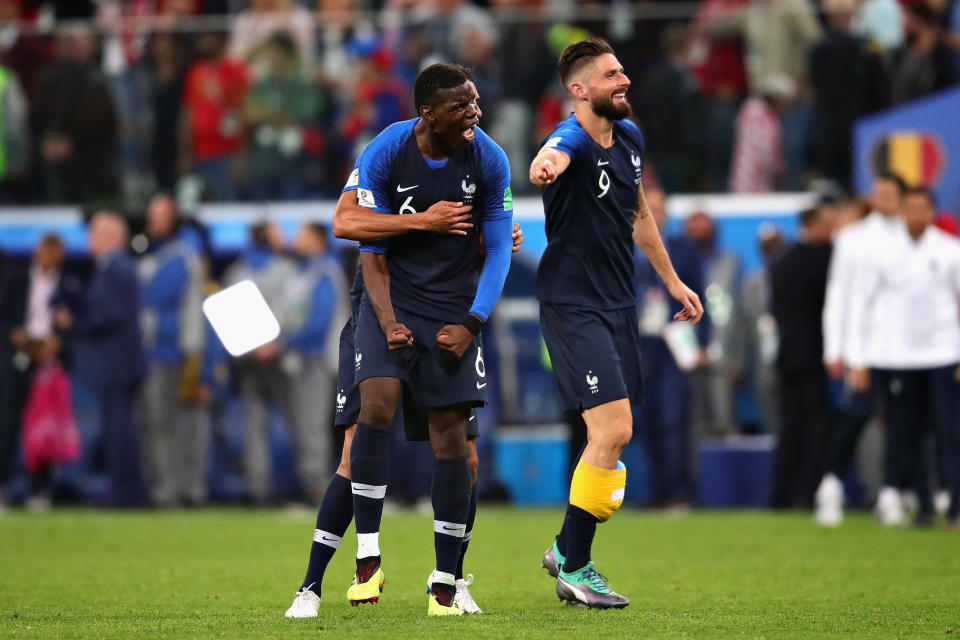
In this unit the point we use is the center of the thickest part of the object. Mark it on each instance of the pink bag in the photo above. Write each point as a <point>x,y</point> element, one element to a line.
<point>50,433</point>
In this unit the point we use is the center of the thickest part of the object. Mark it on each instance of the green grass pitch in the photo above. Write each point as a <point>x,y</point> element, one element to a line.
<point>232,574</point>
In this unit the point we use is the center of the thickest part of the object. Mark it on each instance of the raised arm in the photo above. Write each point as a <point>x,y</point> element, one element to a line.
<point>548,165</point>
<point>646,235</point>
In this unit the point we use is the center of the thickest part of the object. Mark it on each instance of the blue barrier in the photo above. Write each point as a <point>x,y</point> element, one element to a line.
<point>736,472</point>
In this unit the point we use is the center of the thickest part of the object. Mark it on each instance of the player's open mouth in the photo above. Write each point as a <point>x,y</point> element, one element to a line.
<point>469,134</point>
<point>619,96</point>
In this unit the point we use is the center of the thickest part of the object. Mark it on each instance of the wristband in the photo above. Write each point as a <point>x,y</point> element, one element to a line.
<point>472,323</point>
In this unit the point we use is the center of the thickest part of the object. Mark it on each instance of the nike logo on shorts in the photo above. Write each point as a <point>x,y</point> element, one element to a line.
<point>481,386</point>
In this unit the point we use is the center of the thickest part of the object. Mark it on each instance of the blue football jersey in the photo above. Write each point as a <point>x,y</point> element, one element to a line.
<point>590,209</point>
<point>432,274</point>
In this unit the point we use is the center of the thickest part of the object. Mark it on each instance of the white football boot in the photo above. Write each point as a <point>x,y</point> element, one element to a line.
<point>889,509</point>
<point>305,605</point>
<point>463,599</point>
<point>828,502</point>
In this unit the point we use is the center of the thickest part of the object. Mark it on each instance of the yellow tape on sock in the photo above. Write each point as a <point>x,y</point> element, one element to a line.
<point>598,491</point>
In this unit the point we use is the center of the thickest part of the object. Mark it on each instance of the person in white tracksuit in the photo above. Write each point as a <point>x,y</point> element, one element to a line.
<point>905,329</point>
<point>851,247</point>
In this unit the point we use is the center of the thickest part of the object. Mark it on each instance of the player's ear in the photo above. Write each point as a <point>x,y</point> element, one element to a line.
<point>578,90</point>
<point>427,113</point>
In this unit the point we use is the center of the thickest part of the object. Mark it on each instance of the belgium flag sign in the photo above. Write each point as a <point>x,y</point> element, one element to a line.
<point>916,156</point>
<point>920,141</point>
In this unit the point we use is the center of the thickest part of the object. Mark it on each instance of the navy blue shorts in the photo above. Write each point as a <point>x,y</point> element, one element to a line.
<point>414,418</point>
<point>433,378</point>
<point>595,354</point>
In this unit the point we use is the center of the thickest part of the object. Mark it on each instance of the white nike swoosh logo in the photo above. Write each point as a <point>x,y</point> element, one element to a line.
<point>481,386</point>
<point>402,189</point>
<point>600,163</point>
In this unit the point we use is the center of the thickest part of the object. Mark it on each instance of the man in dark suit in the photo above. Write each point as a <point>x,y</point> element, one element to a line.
<point>28,337</point>
<point>798,286</point>
<point>667,384</point>
<point>109,327</point>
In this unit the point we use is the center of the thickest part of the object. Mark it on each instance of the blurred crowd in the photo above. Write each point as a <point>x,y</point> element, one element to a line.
<point>135,336</point>
<point>106,101</point>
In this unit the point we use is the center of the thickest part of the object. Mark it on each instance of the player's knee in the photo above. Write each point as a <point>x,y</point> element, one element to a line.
<point>378,411</point>
<point>598,491</point>
<point>449,444</point>
<point>615,436</point>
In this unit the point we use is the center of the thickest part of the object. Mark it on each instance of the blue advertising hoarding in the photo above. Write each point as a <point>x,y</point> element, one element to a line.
<point>919,141</point>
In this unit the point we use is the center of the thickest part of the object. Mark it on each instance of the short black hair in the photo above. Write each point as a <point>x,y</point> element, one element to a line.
<point>923,12</point>
<point>51,240</point>
<point>319,229</point>
<point>809,216</point>
<point>434,78</point>
<point>578,55</point>
<point>920,190</point>
<point>259,234</point>
<point>893,177</point>
<point>467,71</point>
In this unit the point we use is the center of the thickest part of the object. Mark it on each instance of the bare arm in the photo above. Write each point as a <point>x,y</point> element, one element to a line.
<point>646,235</point>
<point>351,221</point>
<point>376,280</point>
<point>547,166</point>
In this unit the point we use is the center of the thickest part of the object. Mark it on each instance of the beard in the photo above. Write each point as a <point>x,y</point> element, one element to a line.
<point>606,108</point>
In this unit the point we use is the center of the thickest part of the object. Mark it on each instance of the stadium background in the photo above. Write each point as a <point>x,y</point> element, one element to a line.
<point>351,65</point>
<point>359,58</point>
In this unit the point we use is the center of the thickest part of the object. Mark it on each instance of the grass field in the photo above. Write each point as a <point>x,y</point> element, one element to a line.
<point>231,574</point>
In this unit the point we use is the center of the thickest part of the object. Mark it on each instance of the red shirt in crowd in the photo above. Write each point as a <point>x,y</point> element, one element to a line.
<point>213,97</point>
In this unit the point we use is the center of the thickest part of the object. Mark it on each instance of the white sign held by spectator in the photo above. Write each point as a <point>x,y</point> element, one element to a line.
<point>241,317</point>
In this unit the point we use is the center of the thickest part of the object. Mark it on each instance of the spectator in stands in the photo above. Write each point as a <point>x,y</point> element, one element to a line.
<point>265,18</point>
<point>317,310</point>
<point>338,24</point>
<point>880,22</point>
<point>670,110</point>
<point>712,400</point>
<point>760,331</point>
<point>264,377</point>
<point>477,49</point>
<point>924,63</point>
<point>28,338</point>
<point>798,285</point>
<point>778,35</point>
<point>76,138</point>
<point>379,98</point>
<point>22,52</point>
<point>666,366</point>
<point>718,66</point>
<point>847,80</point>
<point>169,56</point>
<point>113,364</point>
<point>212,124</point>
<point>758,164</point>
<point>282,113</point>
<point>172,329</point>
<point>523,55</point>
<point>14,138</point>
